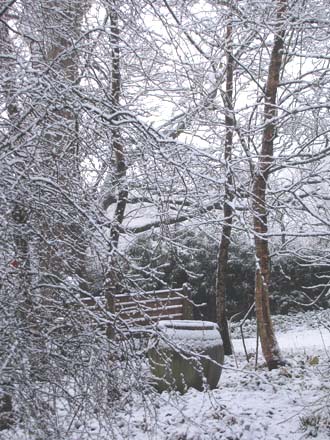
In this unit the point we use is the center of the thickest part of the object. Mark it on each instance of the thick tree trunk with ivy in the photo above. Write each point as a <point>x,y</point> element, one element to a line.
<point>63,248</point>
<point>222,263</point>
<point>268,340</point>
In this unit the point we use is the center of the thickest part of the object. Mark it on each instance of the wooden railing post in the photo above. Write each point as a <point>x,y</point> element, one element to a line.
<point>187,305</point>
<point>110,308</point>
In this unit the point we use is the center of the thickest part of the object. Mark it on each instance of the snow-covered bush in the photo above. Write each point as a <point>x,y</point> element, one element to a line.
<point>192,256</point>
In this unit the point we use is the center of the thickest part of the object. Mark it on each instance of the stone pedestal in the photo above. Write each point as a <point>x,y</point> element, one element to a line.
<point>186,354</point>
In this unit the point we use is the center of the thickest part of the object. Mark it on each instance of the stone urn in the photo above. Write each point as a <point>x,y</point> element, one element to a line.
<point>186,354</point>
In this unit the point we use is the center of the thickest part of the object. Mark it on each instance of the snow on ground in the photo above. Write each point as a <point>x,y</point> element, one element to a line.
<point>290,403</point>
<point>294,341</point>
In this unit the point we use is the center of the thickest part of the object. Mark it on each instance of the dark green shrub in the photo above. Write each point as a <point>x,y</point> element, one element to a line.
<point>192,257</point>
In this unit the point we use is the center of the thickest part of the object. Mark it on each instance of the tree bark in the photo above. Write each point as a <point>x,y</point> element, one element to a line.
<point>18,214</point>
<point>62,252</point>
<point>112,279</point>
<point>268,340</point>
<point>222,263</point>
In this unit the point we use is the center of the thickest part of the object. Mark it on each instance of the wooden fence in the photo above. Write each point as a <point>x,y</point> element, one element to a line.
<point>135,309</point>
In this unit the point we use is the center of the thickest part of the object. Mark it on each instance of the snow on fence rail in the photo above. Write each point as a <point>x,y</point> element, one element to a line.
<point>145,308</point>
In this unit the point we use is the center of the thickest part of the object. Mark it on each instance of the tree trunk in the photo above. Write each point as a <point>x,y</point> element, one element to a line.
<point>62,251</point>
<point>18,214</point>
<point>222,263</point>
<point>6,411</point>
<point>112,281</point>
<point>268,340</point>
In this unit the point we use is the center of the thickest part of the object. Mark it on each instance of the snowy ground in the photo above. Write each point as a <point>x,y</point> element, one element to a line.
<point>290,403</point>
<point>250,403</point>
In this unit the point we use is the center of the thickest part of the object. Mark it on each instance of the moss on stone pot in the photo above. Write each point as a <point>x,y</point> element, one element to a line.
<point>186,354</point>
